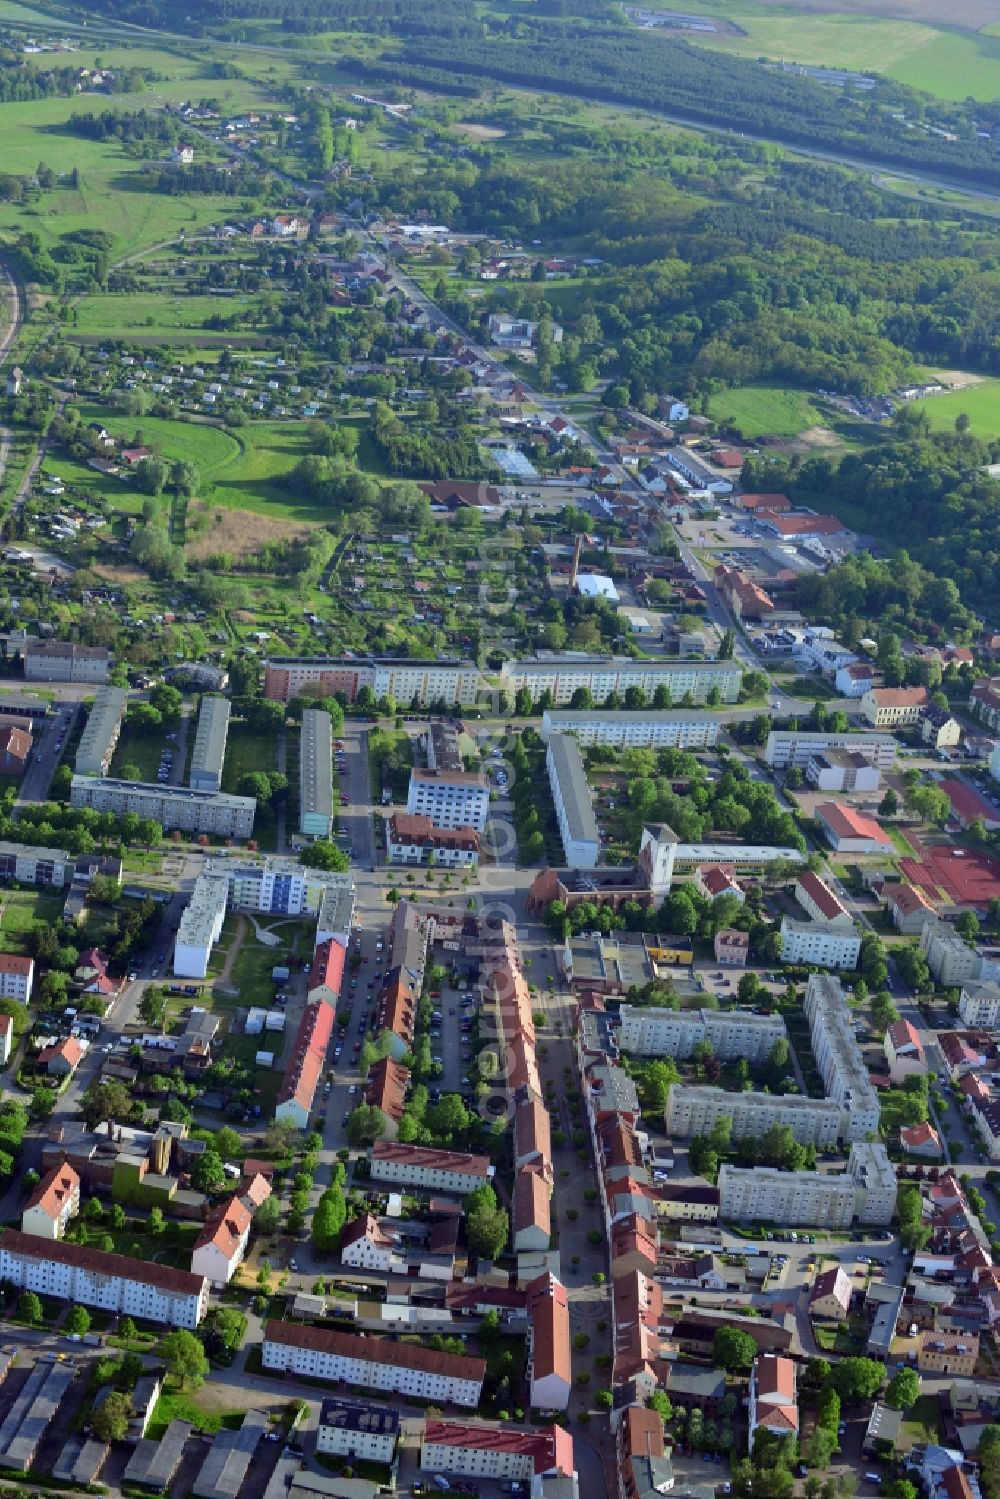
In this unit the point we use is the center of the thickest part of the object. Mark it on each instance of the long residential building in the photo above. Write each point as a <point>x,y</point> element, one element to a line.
<point>414,839</point>
<point>865,1192</point>
<point>694,1110</point>
<point>427,1169</point>
<point>305,1066</point>
<point>601,675</point>
<point>824,944</point>
<point>200,925</point>
<point>36,866</point>
<point>170,806</point>
<point>284,886</point>
<point>374,1363</point>
<point>99,738</point>
<point>675,1033</point>
<point>796,747</point>
<point>475,1450</point>
<point>316,774</point>
<point>669,728</point>
<point>407,681</point>
<point>581,838</point>
<point>61,661</point>
<point>838,1056</point>
<point>209,752</point>
<point>450,798</point>
<point>111,1282</point>
<point>347,1429</point>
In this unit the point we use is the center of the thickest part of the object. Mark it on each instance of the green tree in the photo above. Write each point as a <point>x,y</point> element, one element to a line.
<point>78,1320</point>
<point>184,1358</point>
<point>733,1350</point>
<point>889,805</point>
<point>110,1420</point>
<point>207,1172</point>
<point>29,1307</point>
<point>127,1330</point>
<point>857,1378</point>
<point>366,1125</point>
<point>903,1389</point>
<point>487,1223</point>
<point>328,1220</point>
<point>267,1216</point>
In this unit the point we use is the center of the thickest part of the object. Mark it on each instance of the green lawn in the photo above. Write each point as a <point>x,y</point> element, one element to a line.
<point>252,480</point>
<point>141,748</point>
<point>980,403</point>
<point>923,1422</point>
<point>206,446</point>
<point>766,410</point>
<point>175,1405</point>
<point>246,750</point>
<point>21,911</point>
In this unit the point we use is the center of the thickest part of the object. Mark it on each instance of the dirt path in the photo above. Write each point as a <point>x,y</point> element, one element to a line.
<point>234,950</point>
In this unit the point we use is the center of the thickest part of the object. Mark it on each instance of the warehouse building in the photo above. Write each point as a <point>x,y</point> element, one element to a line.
<point>170,806</point>
<point>316,774</point>
<point>209,753</point>
<point>32,1413</point>
<point>153,1465</point>
<point>99,738</point>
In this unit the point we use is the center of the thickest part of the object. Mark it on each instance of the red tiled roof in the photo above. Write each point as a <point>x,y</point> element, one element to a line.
<point>548,1311</point>
<point>550,1448</point>
<point>375,1350</point>
<point>327,966</point>
<point>845,822</point>
<point>915,1135</point>
<point>966,802</point>
<point>225,1226</point>
<point>906,899</point>
<point>899,697</point>
<point>902,1034</point>
<point>433,1160</point>
<point>530,1205</point>
<point>386,1090</point>
<point>181,1282</point>
<point>802,525</point>
<point>365,1227</point>
<point>820,893</point>
<point>54,1190</point>
<point>308,1055</point>
<point>68,1048</point>
<point>13,963</point>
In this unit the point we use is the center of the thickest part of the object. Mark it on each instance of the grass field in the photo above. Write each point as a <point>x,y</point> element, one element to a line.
<point>766,410</point>
<point>250,482</point>
<point>207,447</point>
<point>21,911</point>
<point>165,315</point>
<point>980,403</point>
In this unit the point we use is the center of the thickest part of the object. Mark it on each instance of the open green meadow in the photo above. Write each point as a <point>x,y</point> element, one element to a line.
<point>766,410</point>
<point>208,447</point>
<point>252,480</point>
<point>980,403</point>
<point>168,317</point>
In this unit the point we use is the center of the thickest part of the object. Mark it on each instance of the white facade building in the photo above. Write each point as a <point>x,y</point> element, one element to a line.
<point>17,975</point>
<point>450,798</point>
<point>171,806</point>
<point>675,1033</point>
<point>578,829</point>
<point>838,1057</point>
<point>865,1192</point>
<point>788,747</point>
<point>429,1170</point>
<point>979,1004</point>
<point>209,752</point>
<point>374,1363</point>
<point>694,1110</point>
<point>367,1432</point>
<point>823,943</point>
<point>564,675</point>
<point>110,1282</point>
<point>200,926</point>
<point>641,729</point>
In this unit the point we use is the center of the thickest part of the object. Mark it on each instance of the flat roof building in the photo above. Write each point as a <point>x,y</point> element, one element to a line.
<point>170,806</point>
<point>367,1432</point>
<point>450,798</point>
<point>209,753</point>
<point>865,1192</point>
<point>639,729</point>
<point>153,1465</point>
<point>838,1056</point>
<point>227,1462</point>
<point>694,1110</point>
<point>562,675</point>
<point>796,747</point>
<point>316,774</point>
<point>200,926</point>
<point>581,838</point>
<point>99,738</point>
<point>676,1033</point>
<point>32,1413</point>
<point>28,865</point>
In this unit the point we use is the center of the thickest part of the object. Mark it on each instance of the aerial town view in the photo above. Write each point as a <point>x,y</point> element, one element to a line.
<point>500,749</point>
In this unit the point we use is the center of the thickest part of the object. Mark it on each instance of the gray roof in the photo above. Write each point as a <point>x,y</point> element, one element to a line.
<point>32,1412</point>
<point>81,1461</point>
<point>376,1420</point>
<point>691,1379</point>
<point>285,1470</point>
<point>228,1459</point>
<point>316,764</point>
<point>567,767</point>
<point>153,1464</point>
<point>165,793</point>
<point>102,726</point>
<point>210,742</point>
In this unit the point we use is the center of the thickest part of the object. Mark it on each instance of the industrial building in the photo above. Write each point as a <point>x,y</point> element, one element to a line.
<point>316,774</point>
<point>581,838</point>
<point>170,806</point>
<point>209,753</point>
<point>99,738</point>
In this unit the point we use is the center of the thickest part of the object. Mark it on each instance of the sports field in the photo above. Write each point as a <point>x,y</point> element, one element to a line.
<point>980,403</point>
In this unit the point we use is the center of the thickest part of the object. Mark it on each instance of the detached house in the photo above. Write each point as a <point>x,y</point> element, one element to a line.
<point>773,1401</point>
<point>831,1294</point>
<point>222,1243</point>
<point>904,1052</point>
<point>365,1246</point>
<point>52,1204</point>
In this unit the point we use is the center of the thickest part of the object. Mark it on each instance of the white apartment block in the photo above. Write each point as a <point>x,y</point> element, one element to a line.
<point>865,1192</point>
<point>209,752</point>
<point>676,1033</point>
<point>98,740</point>
<point>368,1432</point>
<point>170,806</point>
<point>110,1282</point>
<point>407,681</point>
<point>373,1363</point>
<point>694,1110</point>
<point>429,1170</point>
<point>450,798</point>
<point>640,729</point>
<point>822,943</point>
<point>581,838</point>
<point>563,675</point>
<point>200,926</point>
<point>949,958</point>
<point>788,747</point>
<point>839,1058</point>
<point>17,974</point>
<point>979,1004</point>
<point>282,885</point>
<point>35,866</point>
<point>61,661</point>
